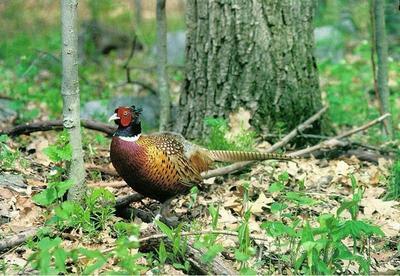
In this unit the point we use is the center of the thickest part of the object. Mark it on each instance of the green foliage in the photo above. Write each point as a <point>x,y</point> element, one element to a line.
<point>176,255</point>
<point>61,150</point>
<point>245,250</point>
<point>350,90</point>
<point>321,249</point>
<point>54,191</point>
<point>393,192</point>
<point>50,257</point>
<point>90,217</point>
<point>8,157</point>
<point>219,128</point>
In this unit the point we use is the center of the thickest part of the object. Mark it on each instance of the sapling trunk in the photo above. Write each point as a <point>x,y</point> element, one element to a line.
<point>70,95</point>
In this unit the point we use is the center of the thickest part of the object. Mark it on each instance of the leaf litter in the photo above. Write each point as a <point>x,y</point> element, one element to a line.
<point>324,181</point>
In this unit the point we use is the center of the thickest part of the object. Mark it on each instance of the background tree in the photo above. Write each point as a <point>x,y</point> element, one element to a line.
<point>70,95</point>
<point>138,12</point>
<point>162,81</point>
<point>381,76</point>
<point>252,54</point>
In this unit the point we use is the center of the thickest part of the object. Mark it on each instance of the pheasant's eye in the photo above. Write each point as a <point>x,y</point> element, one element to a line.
<point>125,113</point>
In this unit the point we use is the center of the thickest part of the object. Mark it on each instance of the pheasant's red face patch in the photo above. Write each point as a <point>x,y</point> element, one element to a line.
<point>125,115</point>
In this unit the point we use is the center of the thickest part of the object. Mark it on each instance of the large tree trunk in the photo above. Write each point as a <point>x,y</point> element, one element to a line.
<point>70,95</point>
<point>253,54</point>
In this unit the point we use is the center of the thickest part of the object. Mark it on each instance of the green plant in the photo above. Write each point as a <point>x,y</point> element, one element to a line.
<point>50,257</point>
<point>8,156</point>
<point>217,138</point>
<point>178,247</point>
<point>208,241</point>
<point>321,249</point>
<point>393,192</point>
<point>90,217</point>
<point>245,250</point>
<point>54,191</point>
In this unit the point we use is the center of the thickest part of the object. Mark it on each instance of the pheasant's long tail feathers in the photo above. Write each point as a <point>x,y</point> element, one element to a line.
<point>236,156</point>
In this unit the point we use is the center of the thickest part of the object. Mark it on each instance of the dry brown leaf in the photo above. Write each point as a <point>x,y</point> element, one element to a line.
<point>372,205</point>
<point>262,201</point>
<point>226,216</point>
<point>239,122</point>
<point>342,168</point>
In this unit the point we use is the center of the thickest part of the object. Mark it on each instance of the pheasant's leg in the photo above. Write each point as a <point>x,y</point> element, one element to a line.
<point>166,215</point>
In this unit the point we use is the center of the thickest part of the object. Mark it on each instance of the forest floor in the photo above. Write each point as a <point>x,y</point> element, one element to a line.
<point>323,185</point>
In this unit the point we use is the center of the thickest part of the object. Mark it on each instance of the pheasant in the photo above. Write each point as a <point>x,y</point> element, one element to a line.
<point>163,165</point>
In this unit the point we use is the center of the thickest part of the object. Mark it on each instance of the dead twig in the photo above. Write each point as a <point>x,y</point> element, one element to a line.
<point>112,184</point>
<point>140,83</point>
<point>56,125</point>
<point>335,141</point>
<point>281,143</point>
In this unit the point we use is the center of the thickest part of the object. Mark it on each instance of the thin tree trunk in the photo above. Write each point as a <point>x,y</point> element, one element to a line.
<point>138,13</point>
<point>70,94</point>
<point>165,111</point>
<point>382,55</point>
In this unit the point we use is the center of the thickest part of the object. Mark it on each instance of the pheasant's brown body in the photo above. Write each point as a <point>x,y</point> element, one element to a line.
<point>159,166</point>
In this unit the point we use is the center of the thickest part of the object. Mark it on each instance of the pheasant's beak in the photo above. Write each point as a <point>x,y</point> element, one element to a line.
<point>114,117</point>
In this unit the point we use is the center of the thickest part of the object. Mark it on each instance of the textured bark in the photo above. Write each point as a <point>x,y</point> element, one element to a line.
<point>382,55</point>
<point>165,112</point>
<point>253,54</point>
<point>70,95</point>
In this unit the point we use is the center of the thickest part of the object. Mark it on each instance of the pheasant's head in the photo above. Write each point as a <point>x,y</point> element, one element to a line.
<point>128,121</point>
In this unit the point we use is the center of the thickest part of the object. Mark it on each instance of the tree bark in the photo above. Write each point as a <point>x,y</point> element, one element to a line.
<point>253,54</point>
<point>70,95</point>
<point>162,82</point>
<point>138,13</point>
<point>382,68</point>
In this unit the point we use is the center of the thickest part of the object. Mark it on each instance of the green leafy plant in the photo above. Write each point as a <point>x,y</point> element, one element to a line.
<point>61,150</point>
<point>244,140</point>
<point>245,250</point>
<point>54,191</point>
<point>50,257</point>
<point>178,247</point>
<point>394,181</point>
<point>8,157</point>
<point>321,249</point>
<point>208,241</point>
<point>90,217</point>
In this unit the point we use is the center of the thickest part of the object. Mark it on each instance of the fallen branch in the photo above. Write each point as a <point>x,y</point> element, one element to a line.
<point>281,143</point>
<point>111,184</point>
<point>335,141</point>
<point>56,125</point>
<point>17,239</point>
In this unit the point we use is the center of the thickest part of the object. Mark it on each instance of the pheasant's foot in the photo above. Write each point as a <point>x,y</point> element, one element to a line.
<point>165,215</point>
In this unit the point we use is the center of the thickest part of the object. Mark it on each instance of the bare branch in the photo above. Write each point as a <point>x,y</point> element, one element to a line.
<point>335,141</point>
<point>56,125</point>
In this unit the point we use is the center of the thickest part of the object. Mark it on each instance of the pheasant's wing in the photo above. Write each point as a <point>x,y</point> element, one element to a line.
<point>172,154</point>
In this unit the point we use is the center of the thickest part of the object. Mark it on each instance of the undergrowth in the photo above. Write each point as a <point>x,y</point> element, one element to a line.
<point>219,138</point>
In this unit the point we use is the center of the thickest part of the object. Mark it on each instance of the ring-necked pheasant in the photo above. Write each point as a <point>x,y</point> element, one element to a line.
<point>163,165</point>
